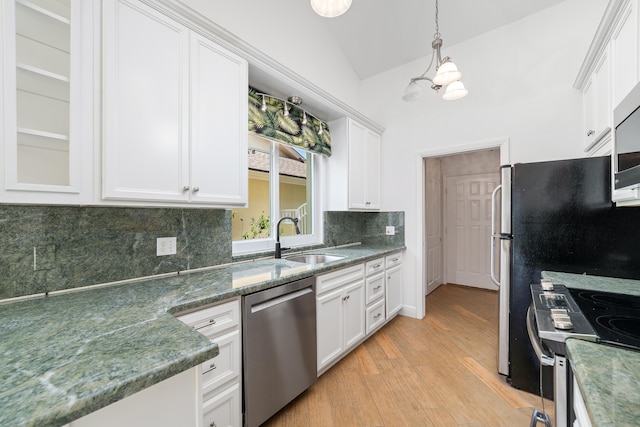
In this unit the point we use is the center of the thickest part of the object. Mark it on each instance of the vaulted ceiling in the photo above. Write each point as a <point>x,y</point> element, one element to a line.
<point>378,35</point>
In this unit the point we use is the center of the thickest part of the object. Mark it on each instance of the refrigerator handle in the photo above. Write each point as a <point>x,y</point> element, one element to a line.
<point>494,235</point>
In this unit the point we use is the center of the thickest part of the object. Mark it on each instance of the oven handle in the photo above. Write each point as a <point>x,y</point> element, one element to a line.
<point>544,358</point>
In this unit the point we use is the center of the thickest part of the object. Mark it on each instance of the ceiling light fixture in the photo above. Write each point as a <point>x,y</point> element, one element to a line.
<point>295,101</point>
<point>447,74</point>
<point>330,8</point>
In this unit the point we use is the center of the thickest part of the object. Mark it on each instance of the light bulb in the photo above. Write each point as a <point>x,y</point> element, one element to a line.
<point>455,90</point>
<point>447,74</point>
<point>330,8</point>
<point>412,92</point>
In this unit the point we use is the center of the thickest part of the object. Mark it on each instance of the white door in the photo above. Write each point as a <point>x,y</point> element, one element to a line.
<point>330,326</point>
<point>357,165</point>
<point>354,324</point>
<point>146,84</point>
<point>218,124</point>
<point>394,291</point>
<point>433,226</point>
<point>468,229</point>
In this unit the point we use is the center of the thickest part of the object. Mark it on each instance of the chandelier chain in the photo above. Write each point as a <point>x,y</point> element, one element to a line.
<point>437,34</point>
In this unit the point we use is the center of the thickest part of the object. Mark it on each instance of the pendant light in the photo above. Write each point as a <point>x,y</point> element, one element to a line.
<point>330,8</point>
<point>447,74</point>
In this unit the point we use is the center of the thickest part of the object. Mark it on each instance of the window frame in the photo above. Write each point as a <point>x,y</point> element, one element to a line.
<point>267,244</point>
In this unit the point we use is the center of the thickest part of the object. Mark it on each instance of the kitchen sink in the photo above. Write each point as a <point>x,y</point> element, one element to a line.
<point>313,258</point>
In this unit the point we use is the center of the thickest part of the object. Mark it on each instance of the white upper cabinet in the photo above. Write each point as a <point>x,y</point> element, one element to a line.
<point>354,167</point>
<point>46,104</point>
<point>175,111</point>
<point>597,104</point>
<point>609,71</point>
<point>624,52</point>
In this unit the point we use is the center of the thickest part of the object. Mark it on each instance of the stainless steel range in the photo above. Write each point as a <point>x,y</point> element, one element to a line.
<point>558,313</point>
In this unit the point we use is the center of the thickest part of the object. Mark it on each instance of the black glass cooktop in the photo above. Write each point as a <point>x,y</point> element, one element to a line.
<point>615,317</point>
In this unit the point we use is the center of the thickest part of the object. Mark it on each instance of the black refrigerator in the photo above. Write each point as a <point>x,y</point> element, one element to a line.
<point>562,219</point>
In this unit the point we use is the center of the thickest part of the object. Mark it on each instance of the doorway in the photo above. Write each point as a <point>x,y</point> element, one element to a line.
<point>457,218</point>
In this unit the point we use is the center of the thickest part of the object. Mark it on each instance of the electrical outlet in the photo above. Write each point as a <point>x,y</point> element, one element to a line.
<point>166,246</point>
<point>391,230</point>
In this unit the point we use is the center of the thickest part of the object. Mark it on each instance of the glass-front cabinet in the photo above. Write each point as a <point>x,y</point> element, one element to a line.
<point>46,101</point>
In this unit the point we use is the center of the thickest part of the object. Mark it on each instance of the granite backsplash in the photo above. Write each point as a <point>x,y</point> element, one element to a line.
<point>49,248</point>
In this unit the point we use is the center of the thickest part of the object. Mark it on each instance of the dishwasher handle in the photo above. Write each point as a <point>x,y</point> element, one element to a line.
<point>280,299</point>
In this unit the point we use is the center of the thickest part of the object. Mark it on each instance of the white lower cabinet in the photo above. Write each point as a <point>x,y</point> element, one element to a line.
<point>579,408</point>
<point>169,403</point>
<point>339,313</point>
<point>393,288</point>
<point>375,316</point>
<point>223,409</point>
<point>375,291</point>
<point>220,379</point>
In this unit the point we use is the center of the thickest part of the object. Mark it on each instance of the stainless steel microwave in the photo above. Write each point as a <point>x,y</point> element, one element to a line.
<point>626,148</point>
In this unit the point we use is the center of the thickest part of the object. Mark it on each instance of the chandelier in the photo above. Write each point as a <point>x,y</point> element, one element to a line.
<point>330,8</point>
<point>447,74</point>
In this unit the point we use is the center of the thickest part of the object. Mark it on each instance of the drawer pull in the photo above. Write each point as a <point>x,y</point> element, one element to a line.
<point>377,316</point>
<point>212,321</point>
<point>377,287</point>
<point>376,266</point>
<point>395,259</point>
<point>212,366</point>
<point>213,424</point>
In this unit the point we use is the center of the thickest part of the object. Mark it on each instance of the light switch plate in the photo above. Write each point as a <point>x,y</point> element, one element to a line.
<point>166,246</point>
<point>391,230</point>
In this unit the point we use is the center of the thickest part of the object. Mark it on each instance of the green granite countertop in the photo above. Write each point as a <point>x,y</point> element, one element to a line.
<point>608,376</point>
<point>598,283</point>
<point>69,354</point>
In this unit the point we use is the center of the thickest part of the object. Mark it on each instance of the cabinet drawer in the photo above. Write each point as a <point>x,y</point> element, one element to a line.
<point>225,366</point>
<point>223,409</point>
<point>374,266</point>
<point>374,289</point>
<point>375,316</point>
<point>339,278</point>
<point>393,260</point>
<point>214,320</point>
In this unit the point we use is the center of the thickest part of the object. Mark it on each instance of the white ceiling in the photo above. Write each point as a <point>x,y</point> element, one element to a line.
<point>378,35</point>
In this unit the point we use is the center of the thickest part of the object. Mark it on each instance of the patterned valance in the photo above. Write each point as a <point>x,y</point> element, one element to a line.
<point>310,135</point>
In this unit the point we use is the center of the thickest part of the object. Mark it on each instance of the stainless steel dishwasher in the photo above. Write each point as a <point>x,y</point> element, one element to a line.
<point>279,347</point>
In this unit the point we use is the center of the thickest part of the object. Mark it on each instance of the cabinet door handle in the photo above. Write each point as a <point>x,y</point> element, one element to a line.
<point>213,424</point>
<point>196,189</point>
<point>185,188</point>
<point>345,298</point>
<point>591,132</point>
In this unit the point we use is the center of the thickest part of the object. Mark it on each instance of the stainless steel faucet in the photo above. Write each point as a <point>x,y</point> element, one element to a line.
<point>278,248</point>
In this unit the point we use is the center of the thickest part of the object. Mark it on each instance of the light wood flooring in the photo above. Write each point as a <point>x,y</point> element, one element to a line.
<point>438,371</point>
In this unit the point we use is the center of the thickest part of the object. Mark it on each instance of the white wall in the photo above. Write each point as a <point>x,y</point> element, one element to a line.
<point>292,34</point>
<point>520,79</point>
